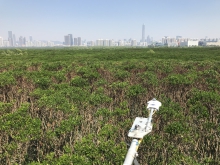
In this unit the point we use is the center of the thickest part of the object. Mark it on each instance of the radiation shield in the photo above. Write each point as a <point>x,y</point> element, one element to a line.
<point>140,128</point>
<point>153,104</point>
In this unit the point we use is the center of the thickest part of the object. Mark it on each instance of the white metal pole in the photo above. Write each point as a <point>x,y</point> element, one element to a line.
<point>131,152</point>
<point>150,118</point>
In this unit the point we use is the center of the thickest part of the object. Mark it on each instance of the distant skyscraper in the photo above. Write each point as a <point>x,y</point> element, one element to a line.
<point>20,41</point>
<point>98,42</point>
<point>79,41</point>
<point>143,33</point>
<point>30,38</point>
<point>106,42</point>
<point>71,39</point>
<point>1,42</point>
<point>14,40</point>
<point>75,41</point>
<point>24,41</point>
<point>133,43</point>
<point>178,37</point>
<point>67,40</point>
<point>148,40</point>
<point>10,38</point>
<point>120,43</point>
<point>110,43</point>
<point>167,40</point>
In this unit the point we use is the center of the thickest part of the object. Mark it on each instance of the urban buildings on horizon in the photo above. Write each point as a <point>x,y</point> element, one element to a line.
<point>69,40</point>
<point>23,42</point>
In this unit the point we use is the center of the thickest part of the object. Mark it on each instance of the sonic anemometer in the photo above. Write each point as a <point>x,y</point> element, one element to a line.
<point>140,128</point>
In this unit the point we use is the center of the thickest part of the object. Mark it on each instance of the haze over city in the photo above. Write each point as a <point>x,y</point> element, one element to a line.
<point>91,20</point>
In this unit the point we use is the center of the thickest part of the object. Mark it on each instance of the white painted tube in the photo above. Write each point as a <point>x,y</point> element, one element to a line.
<point>150,118</point>
<point>131,152</point>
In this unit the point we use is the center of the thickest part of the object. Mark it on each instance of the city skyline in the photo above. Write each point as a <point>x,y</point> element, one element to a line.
<point>109,19</point>
<point>70,41</point>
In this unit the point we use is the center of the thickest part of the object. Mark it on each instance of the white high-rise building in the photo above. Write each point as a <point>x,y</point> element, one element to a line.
<point>120,43</point>
<point>71,39</point>
<point>148,40</point>
<point>50,43</point>
<point>14,40</point>
<point>10,38</point>
<point>1,42</point>
<point>99,42</point>
<point>106,42</point>
<point>110,43</point>
<point>21,41</point>
<point>92,43</point>
<point>38,44</point>
<point>133,43</point>
<point>75,41</point>
<point>79,41</point>
<point>167,40</point>
<point>67,40</point>
<point>30,38</point>
<point>143,33</point>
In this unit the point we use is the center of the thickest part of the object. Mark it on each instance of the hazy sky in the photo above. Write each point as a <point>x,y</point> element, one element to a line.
<point>109,19</point>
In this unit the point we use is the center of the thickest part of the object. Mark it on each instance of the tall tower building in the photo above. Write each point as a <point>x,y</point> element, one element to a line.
<point>71,39</point>
<point>148,39</point>
<point>133,43</point>
<point>75,41</point>
<point>106,42</point>
<point>1,42</point>
<point>110,43</point>
<point>143,33</point>
<point>24,41</point>
<point>30,38</point>
<point>10,38</point>
<point>79,41</point>
<point>14,40</point>
<point>67,40</point>
<point>21,41</point>
<point>98,42</point>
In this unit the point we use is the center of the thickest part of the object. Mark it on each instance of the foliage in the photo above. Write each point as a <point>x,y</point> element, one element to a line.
<point>75,105</point>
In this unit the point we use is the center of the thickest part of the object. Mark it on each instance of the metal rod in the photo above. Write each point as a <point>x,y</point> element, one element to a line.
<point>131,152</point>
<point>150,117</point>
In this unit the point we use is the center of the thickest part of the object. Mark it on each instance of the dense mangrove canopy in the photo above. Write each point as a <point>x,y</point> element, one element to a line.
<point>75,106</point>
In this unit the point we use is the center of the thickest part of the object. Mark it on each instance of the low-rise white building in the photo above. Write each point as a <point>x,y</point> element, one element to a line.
<point>212,43</point>
<point>171,44</point>
<point>6,43</point>
<point>189,43</point>
<point>133,43</point>
<point>142,44</point>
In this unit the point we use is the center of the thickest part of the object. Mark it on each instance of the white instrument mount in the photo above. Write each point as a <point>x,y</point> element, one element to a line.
<point>140,128</point>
